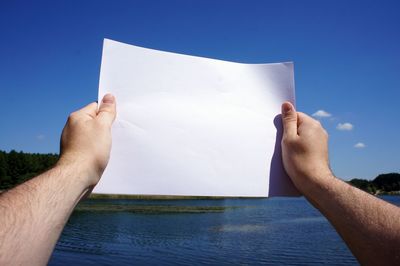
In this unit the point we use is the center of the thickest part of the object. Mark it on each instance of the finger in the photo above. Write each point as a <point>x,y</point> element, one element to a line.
<point>304,122</point>
<point>289,120</point>
<point>90,110</point>
<point>107,110</point>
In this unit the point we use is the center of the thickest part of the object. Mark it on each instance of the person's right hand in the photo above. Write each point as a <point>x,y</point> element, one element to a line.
<point>304,149</point>
<point>86,139</point>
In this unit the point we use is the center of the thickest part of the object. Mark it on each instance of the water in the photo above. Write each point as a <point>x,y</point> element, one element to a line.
<point>272,231</point>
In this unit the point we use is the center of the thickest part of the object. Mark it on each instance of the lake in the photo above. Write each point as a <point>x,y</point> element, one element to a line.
<point>275,231</point>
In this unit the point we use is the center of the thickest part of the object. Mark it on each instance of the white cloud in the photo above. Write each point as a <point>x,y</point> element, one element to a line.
<point>40,137</point>
<point>360,145</point>
<point>344,126</point>
<point>321,114</point>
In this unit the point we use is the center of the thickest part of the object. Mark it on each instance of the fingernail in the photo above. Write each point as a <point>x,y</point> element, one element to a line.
<point>286,108</point>
<point>108,98</point>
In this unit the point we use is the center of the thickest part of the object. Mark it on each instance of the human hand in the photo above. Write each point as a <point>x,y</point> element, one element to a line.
<point>304,149</point>
<point>86,140</point>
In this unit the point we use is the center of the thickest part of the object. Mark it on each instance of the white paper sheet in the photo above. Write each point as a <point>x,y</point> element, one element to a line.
<point>194,126</point>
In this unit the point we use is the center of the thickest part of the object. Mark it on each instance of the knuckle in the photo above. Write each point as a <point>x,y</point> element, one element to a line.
<point>316,125</point>
<point>286,141</point>
<point>290,118</point>
<point>70,118</point>
<point>302,114</point>
<point>73,117</point>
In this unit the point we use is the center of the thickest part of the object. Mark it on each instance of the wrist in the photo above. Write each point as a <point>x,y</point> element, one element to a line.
<point>78,170</point>
<point>313,185</point>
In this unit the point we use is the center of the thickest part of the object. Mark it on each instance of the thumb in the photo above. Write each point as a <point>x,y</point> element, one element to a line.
<point>107,110</point>
<point>289,120</point>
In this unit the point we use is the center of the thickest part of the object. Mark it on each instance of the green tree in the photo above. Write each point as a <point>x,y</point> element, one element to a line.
<point>387,182</point>
<point>3,165</point>
<point>17,167</point>
<point>14,166</point>
<point>363,184</point>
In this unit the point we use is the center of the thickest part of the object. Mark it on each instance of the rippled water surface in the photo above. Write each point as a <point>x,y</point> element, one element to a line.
<point>284,231</point>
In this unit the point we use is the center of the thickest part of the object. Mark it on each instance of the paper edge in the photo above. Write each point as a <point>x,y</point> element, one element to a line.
<point>105,40</point>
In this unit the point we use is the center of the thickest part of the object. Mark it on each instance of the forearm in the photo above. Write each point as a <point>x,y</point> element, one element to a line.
<point>368,225</point>
<point>34,213</point>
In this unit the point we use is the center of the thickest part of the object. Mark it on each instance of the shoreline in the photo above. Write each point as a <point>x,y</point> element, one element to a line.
<point>163,197</point>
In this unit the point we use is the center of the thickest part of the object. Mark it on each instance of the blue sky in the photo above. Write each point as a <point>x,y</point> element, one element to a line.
<point>346,55</point>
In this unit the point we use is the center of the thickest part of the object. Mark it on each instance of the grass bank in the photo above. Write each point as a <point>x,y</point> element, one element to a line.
<point>150,209</point>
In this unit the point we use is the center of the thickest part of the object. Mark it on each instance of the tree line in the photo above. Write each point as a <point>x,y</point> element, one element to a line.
<point>17,167</point>
<point>382,184</point>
